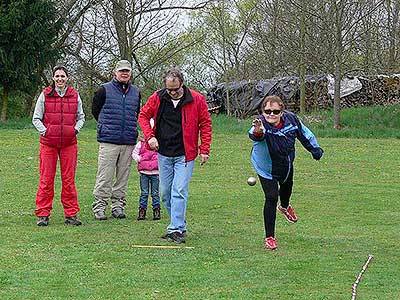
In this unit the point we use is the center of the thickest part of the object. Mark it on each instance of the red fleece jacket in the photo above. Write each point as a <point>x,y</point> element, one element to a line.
<point>196,121</point>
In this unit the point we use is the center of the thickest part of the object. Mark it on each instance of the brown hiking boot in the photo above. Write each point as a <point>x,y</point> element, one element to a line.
<point>118,213</point>
<point>72,221</point>
<point>142,214</point>
<point>156,213</point>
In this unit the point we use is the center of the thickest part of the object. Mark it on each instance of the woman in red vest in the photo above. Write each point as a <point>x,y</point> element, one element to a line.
<point>58,117</point>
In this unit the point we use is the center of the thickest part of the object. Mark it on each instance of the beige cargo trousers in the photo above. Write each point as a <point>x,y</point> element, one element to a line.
<point>112,160</point>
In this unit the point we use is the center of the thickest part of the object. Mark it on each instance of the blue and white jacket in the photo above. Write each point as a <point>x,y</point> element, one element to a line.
<point>273,152</point>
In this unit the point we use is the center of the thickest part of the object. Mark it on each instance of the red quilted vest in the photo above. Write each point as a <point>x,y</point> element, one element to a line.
<point>59,118</point>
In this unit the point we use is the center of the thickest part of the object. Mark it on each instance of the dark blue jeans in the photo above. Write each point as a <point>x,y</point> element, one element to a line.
<point>147,182</point>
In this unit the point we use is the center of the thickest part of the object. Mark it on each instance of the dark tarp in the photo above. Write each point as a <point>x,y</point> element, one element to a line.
<point>245,97</point>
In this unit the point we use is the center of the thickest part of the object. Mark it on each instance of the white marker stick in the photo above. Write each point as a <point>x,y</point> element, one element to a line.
<point>370,257</point>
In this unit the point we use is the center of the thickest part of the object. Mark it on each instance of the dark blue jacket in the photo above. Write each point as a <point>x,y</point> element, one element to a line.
<point>273,152</point>
<point>117,121</point>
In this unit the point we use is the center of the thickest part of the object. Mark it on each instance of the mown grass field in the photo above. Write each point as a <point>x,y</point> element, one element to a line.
<point>347,205</point>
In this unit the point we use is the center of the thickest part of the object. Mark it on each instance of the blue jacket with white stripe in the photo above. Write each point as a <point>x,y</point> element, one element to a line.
<point>273,152</point>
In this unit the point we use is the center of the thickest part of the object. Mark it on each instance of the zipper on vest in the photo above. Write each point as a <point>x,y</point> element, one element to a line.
<point>123,113</point>
<point>62,120</point>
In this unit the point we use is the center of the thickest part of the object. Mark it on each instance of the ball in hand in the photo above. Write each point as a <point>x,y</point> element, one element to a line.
<point>251,181</point>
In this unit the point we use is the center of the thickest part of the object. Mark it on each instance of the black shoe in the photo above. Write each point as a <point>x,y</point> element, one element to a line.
<point>175,237</point>
<point>42,221</point>
<point>100,215</point>
<point>156,213</point>
<point>72,221</point>
<point>141,214</point>
<point>118,214</point>
<point>165,235</point>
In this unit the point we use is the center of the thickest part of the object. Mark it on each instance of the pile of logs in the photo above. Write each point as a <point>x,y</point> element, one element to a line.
<point>376,90</point>
<point>245,97</point>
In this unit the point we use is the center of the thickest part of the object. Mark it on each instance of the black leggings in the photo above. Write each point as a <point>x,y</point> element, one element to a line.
<point>272,192</point>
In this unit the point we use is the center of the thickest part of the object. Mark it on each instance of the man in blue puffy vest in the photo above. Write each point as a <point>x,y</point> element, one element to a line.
<point>115,107</point>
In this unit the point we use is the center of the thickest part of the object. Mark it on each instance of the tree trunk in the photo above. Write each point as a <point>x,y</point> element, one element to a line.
<point>338,78</point>
<point>228,101</point>
<point>302,59</point>
<point>32,107</point>
<point>29,105</point>
<point>338,63</point>
<point>4,98</point>
<point>336,99</point>
<point>120,20</point>
<point>393,19</point>
<point>273,42</point>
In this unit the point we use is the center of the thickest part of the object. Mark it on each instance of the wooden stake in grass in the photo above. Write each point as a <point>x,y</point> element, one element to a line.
<point>161,247</point>
<point>370,257</point>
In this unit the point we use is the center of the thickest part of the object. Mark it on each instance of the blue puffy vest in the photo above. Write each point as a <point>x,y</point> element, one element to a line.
<point>117,123</point>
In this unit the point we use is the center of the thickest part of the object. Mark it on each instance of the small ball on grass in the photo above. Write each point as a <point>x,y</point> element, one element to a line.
<point>251,181</point>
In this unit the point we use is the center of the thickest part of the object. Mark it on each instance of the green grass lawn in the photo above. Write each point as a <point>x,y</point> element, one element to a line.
<point>347,205</point>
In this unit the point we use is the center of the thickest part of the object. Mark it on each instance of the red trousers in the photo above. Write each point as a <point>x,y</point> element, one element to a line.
<point>48,157</point>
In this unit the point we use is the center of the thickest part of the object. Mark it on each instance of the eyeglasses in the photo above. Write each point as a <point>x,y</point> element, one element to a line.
<point>273,111</point>
<point>174,90</point>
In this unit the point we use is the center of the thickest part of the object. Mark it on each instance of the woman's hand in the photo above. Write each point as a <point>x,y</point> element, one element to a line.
<point>258,125</point>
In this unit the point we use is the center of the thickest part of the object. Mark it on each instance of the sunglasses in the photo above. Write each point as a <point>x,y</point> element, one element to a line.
<point>174,90</point>
<point>273,111</point>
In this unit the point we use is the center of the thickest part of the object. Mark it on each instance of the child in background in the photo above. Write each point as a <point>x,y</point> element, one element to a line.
<point>147,165</point>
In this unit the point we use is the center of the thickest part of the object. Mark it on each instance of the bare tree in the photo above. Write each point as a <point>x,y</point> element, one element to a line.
<point>393,27</point>
<point>347,15</point>
<point>225,28</point>
<point>234,39</point>
<point>327,31</point>
<point>145,32</point>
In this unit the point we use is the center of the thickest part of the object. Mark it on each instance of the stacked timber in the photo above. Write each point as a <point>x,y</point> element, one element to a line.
<point>245,97</point>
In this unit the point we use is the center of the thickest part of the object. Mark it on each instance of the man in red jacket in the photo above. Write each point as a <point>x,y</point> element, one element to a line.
<point>181,116</point>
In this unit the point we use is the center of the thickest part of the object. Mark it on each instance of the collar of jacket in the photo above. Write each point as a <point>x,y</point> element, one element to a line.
<point>187,95</point>
<point>48,91</point>
<point>120,85</point>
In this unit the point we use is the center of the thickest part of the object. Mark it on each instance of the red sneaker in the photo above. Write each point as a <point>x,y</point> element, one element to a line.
<point>270,243</point>
<point>288,213</point>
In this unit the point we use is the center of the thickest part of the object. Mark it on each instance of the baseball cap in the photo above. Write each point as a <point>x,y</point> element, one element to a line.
<point>123,65</point>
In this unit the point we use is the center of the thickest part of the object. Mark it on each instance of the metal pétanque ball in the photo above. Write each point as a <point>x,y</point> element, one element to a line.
<point>251,181</point>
